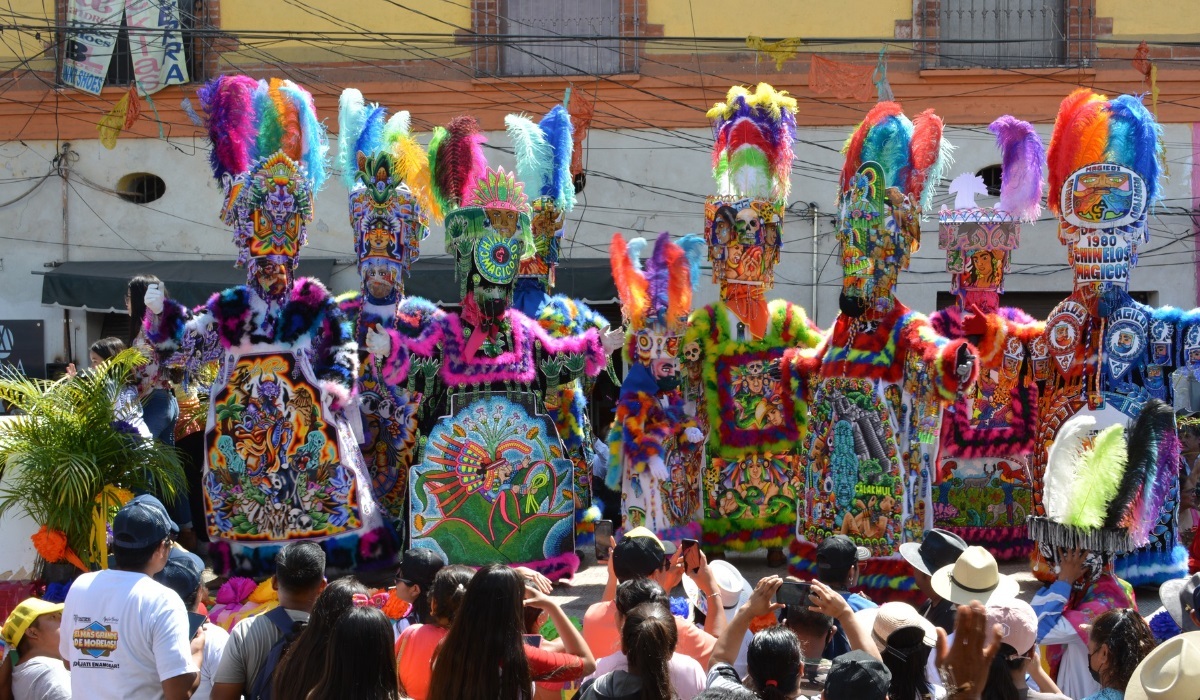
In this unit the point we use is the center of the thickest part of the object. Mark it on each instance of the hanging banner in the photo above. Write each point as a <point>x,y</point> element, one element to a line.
<point>155,43</point>
<point>92,27</point>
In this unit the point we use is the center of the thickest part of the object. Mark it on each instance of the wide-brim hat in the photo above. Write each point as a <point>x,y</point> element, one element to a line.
<point>975,576</point>
<point>1176,596</point>
<point>1170,672</point>
<point>936,549</point>
<point>735,590</point>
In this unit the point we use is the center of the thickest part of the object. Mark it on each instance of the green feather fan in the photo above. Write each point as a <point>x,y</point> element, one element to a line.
<point>1098,479</point>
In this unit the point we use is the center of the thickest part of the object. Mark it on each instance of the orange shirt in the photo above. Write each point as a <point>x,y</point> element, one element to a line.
<point>603,638</point>
<point>415,650</point>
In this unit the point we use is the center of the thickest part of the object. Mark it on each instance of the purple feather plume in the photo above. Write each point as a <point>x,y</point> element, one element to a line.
<point>1158,489</point>
<point>228,101</point>
<point>658,276</point>
<point>1023,167</point>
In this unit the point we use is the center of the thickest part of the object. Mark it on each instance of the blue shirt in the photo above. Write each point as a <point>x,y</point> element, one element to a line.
<point>840,644</point>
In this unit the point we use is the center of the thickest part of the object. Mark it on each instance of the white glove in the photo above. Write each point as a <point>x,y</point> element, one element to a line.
<point>379,343</point>
<point>154,299</point>
<point>612,339</point>
<point>964,370</point>
<point>658,468</point>
<point>694,435</point>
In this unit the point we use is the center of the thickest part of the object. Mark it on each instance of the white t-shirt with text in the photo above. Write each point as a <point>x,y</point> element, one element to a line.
<point>123,634</point>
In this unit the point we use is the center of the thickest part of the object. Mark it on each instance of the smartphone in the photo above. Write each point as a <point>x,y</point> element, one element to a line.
<point>604,531</point>
<point>691,555</point>
<point>794,593</point>
<point>533,640</point>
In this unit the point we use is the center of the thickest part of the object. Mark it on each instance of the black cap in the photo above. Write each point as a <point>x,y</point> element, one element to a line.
<point>182,573</point>
<point>835,556</point>
<point>938,549</point>
<point>420,565</point>
<point>857,676</point>
<point>139,525</point>
<point>157,505</point>
<point>637,556</point>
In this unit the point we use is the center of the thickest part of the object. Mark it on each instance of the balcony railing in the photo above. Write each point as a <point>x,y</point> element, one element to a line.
<point>1006,33</point>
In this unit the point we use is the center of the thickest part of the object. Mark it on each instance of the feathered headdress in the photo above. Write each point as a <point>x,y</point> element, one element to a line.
<point>265,135</point>
<point>387,175</point>
<point>543,153</point>
<point>1106,496</point>
<point>912,154</point>
<point>754,131</point>
<point>1092,129</point>
<point>1022,167</point>
<point>656,294</point>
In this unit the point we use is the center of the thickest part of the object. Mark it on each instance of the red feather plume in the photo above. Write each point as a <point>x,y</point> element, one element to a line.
<point>460,158</point>
<point>1076,112</point>
<point>924,149</point>
<point>854,145</point>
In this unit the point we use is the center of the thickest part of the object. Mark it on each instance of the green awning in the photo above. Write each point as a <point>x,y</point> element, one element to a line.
<point>100,285</point>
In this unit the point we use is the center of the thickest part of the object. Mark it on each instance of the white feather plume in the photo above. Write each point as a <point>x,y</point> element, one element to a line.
<point>1062,464</point>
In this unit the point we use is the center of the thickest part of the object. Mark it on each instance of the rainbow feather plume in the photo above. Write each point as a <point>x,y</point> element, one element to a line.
<point>1081,117</point>
<point>853,148</point>
<point>1022,167</point>
<point>1153,455</point>
<point>1099,478</point>
<point>535,158</point>
<point>631,285</point>
<point>313,138</point>
<point>290,141</point>
<point>888,145</point>
<point>457,161</point>
<point>754,132</point>
<point>556,126</point>
<point>270,124</point>
<point>229,102</point>
<point>1135,141</point>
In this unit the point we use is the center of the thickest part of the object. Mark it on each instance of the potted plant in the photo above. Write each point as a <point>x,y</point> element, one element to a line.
<point>69,460</point>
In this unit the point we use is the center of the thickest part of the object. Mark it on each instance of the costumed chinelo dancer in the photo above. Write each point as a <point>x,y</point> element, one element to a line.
<point>386,173</point>
<point>982,479</point>
<point>1105,354</point>
<point>652,432</point>
<point>281,462</point>
<point>1103,499</point>
<point>752,421</point>
<point>877,383</point>
<point>493,483</point>
<point>543,152</point>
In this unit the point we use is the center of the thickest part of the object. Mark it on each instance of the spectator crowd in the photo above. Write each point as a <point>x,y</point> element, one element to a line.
<point>139,629</point>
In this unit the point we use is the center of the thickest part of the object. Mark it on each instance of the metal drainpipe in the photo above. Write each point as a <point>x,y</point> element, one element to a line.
<point>812,212</point>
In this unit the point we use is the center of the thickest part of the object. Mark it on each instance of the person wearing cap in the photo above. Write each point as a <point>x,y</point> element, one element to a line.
<point>905,640</point>
<point>640,554</point>
<point>127,634</point>
<point>1017,663</point>
<point>31,633</point>
<point>857,675</point>
<point>1170,672</point>
<point>937,549</point>
<point>837,567</point>
<point>299,579</point>
<point>1085,588</point>
<point>414,576</point>
<point>184,574</point>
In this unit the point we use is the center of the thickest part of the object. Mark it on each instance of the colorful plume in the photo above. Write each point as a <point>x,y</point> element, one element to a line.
<point>631,285</point>
<point>535,158</point>
<point>1022,168</point>
<point>754,131</point>
<point>913,154</point>
<point>556,126</point>
<point>1099,476</point>
<point>1079,137</point>
<point>232,123</point>
<point>457,161</point>
<point>1135,141</point>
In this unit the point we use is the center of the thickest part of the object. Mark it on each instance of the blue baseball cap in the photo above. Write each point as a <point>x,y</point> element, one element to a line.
<point>183,573</point>
<point>158,505</point>
<point>139,525</point>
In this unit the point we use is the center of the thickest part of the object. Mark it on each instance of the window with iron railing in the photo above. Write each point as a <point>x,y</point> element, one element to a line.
<point>555,37</point>
<point>1008,33</point>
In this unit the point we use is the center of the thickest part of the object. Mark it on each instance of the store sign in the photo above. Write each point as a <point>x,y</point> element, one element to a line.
<point>23,346</point>
<point>155,43</point>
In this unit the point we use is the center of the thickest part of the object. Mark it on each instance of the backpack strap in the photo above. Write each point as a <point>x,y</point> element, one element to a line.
<point>279,617</point>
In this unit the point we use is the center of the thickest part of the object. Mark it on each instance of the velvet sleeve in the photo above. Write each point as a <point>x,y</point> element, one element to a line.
<point>415,330</point>
<point>180,336</point>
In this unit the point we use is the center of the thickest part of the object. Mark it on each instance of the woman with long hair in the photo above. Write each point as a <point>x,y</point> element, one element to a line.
<point>648,638</point>
<point>298,672</point>
<point>906,655</point>
<point>359,662</point>
<point>482,656</point>
<point>1117,643</point>
<point>417,645</point>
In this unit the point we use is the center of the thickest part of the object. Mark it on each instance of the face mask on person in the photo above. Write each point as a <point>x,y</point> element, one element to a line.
<point>1091,669</point>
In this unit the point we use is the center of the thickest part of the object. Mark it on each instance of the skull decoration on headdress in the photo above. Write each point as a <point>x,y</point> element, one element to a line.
<point>892,166</point>
<point>752,164</point>
<point>1104,492</point>
<point>543,153</point>
<point>1104,175</point>
<point>387,175</point>
<point>656,298</point>
<point>269,154</point>
<point>979,240</point>
<point>487,215</point>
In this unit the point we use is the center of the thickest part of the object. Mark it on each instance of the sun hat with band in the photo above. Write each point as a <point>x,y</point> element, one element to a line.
<point>893,617</point>
<point>1170,672</point>
<point>23,616</point>
<point>975,576</point>
<point>733,588</point>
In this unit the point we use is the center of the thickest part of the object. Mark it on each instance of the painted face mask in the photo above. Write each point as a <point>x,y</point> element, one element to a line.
<point>1103,209</point>
<point>491,233</point>
<point>743,238</point>
<point>978,245</point>
<point>388,225</point>
<point>878,231</point>
<point>269,208</point>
